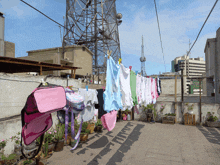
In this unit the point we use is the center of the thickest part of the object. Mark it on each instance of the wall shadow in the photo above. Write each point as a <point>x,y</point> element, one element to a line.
<point>211,134</point>
<point>125,146</point>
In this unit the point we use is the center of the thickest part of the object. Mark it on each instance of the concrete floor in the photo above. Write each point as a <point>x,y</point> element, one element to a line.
<point>139,143</point>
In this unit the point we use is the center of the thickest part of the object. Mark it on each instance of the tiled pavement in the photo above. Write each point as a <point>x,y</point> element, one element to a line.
<point>134,142</point>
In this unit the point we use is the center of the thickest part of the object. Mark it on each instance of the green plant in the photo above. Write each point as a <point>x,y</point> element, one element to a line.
<point>9,159</point>
<point>48,137</point>
<point>16,138</point>
<point>98,123</point>
<point>190,107</point>
<point>162,107</point>
<point>60,129</point>
<point>149,106</point>
<point>170,114</point>
<point>29,161</point>
<point>212,118</point>
<point>3,143</point>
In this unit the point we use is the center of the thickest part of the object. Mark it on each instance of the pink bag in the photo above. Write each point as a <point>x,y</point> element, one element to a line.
<point>109,120</point>
<point>36,127</point>
<point>36,114</point>
<point>46,100</point>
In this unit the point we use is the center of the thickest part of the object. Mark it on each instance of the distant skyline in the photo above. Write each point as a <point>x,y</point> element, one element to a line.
<point>179,22</point>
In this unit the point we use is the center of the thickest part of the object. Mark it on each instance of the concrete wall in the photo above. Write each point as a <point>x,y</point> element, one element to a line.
<point>82,59</point>
<point>168,86</point>
<point>14,91</point>
<point>206,107</point>
<point>9,49</point>
<point>217,69</point>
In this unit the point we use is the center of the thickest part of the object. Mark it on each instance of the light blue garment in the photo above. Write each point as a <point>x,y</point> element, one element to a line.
<point>112,94</point>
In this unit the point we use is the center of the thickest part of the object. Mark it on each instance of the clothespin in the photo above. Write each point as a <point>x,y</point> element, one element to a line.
<point>109,53</point>
<point>130,67</point>
<point>136,72</point>
<point>87,87</point>
<point>119,60</point>
<point>43,82</point>
<point>103,88</point>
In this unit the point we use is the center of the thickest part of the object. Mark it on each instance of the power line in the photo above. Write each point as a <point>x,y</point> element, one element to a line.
<point>159,33</point>
<point>203,26</point>
<point>47,16</point>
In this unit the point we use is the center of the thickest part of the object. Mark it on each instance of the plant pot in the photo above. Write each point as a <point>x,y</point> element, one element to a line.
<point>2,162</point>
<point>190,112</point>
<point>51,147</point>
<point>98,128</point>
<point>91,127</point>
<point>83,137</point>
<point>59,145</point>
<point>213,124</point>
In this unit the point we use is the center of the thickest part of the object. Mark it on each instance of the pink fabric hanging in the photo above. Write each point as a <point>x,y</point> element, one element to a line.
<point>152,88</point>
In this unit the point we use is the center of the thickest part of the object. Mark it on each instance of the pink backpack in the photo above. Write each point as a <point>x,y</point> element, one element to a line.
<point>36,114</point>
<point>109,120</point>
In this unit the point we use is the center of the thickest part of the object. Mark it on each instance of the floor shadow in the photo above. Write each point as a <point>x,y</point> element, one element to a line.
<point>122,135</point>
<point>211,134</point>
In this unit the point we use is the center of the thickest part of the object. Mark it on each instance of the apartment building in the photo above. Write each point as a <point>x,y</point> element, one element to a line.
<point>212,56</point>
<point>192,68</point>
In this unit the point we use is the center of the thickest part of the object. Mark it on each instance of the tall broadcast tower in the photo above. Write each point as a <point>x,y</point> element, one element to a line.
<point>94,23</point>
<point>142,59</point>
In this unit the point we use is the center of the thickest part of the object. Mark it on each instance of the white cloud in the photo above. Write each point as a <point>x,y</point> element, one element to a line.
<point>18,9</point>
<point>174,29</point>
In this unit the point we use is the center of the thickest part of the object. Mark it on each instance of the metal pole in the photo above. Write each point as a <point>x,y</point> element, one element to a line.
<point>200,101</point>
<point>175,93</point>
<point>182,87</point>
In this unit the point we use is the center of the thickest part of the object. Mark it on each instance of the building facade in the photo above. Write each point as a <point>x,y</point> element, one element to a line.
<point>212,55</point>
<point>192,68</point>
<point>7,49</point>
<point>77,56</point>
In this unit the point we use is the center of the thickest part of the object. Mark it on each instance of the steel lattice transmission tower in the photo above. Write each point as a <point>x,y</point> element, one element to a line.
<point>142,59</point>
<point>94,23</point>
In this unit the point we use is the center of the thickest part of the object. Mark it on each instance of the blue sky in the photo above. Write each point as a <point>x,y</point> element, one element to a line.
<point>179,21</point>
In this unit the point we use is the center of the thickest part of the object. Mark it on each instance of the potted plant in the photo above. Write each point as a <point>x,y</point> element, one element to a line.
<point>84,132</point>
<point>98,126</point>
<point>58,136</point>
<point>169,118</point>
<point>190,108</point>
<point>49,144</point>
<point>91,127</point>
<point>212,121</point>
<point>17,146</point>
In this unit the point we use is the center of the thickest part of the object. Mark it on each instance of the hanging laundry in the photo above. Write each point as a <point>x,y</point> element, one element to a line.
<point>133,87</point>
<point>100,108</point>
<point>138,88</point>
<point>152,89</point>
<point>158,86</point>
<point>155,80</point>
<point>143,87</point>
<point>90,99</point>
<point>127,101</point>
<point>112,94</point>
<point>148,97</point>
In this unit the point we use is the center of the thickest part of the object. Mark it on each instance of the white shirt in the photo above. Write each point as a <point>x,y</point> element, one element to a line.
<point>90,99</point>
<point>124,77</point>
